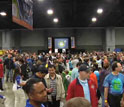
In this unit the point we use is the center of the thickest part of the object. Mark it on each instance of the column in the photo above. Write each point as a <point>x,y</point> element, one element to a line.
<point>110,40</point>
<point>7,40</point>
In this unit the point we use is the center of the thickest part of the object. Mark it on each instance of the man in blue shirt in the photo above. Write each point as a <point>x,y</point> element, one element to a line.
<point>36,92</point>
<point>113,86</point>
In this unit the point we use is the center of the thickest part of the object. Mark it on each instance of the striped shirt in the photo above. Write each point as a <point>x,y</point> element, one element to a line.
<point>53,85</point>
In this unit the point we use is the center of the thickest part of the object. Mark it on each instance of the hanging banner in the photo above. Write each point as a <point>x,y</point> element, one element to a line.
<point>22,13</point>
<point>72,42</point>
<point>49,42</point>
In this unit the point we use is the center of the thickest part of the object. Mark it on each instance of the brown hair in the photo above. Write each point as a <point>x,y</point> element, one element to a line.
<point>77,102</point>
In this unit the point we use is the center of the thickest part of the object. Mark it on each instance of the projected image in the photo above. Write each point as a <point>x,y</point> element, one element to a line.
<point>61,43</point>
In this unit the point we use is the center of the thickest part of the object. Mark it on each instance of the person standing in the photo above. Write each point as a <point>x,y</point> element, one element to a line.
<point>83,87</point>
<point>23,67</point>
<point>113,86</point>
<point>36,92</point>
<point>54,81</point>
<point>105,71</point>
<point>9,67</point>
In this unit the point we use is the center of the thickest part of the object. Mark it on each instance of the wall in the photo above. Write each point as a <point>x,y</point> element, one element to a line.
<point>7,39</point>
<point>32,40</point>
<point>87,38</point>
<point>119,37</point>
<point>37,40</point>
<point>90,39</point>
<point>59,32</point>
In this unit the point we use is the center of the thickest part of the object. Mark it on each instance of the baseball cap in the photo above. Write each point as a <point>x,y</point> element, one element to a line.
<point>84,68</point>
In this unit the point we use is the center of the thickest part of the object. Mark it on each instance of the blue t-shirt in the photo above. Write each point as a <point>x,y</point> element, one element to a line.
<point>29,105</point>
<point>115,83</point>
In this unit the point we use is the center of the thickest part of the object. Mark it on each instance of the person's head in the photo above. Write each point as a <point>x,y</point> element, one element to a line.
<point>122,58</point>
<point>56,63</point>
<point>106,64</point>
<point>100,69</point>
<point>35,90</point>
<point>86,60</point>
<point>9,55</point>
<point>84,71</point>
<point>77,102</point>
<point>78,64</point>
<point>98,57</point>
<point>21,61</point>
<point>66,72</point>
<point>38,62</point>
<point>95,67</point>
<point>116,66</point>
<point>42,71</point>
<point>71,69</point>
<point>51,70</point>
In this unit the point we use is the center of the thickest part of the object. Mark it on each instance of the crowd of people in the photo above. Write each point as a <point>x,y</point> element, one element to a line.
<point>64,80</point>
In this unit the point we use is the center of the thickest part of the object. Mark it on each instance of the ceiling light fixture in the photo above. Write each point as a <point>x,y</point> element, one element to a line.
<point>55,20</point>
<point>94,19</point>
<point>100,11</point>
<point>50,11</point>
<point>3,13</point>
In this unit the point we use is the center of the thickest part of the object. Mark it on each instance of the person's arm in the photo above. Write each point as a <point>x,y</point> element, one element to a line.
<point>22,83</point>
<point>123,97</point>
<point>106,90</point>
<point>106,96</point>
<point>122,101</point>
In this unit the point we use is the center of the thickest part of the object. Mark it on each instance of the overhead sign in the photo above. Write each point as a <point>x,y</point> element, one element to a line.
<point>22,13</point>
